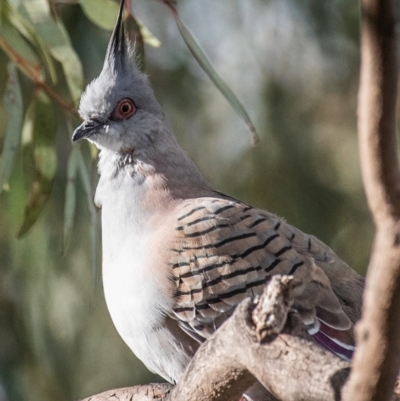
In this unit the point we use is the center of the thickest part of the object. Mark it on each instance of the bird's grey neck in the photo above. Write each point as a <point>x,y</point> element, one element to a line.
<point>172,172</point>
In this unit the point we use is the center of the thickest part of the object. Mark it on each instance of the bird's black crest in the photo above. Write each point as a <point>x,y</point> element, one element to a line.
<point>117,47</point>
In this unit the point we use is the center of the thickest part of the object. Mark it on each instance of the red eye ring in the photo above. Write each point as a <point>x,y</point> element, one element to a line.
<point>124,110</point>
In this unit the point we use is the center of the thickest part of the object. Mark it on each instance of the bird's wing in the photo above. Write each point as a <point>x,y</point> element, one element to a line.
<point>224,251</point>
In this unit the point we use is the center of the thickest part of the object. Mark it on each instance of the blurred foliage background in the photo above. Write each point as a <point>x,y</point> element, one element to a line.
<point>294,66</point>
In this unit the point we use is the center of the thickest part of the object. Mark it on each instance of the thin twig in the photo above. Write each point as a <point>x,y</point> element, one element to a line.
<point>32,71</point>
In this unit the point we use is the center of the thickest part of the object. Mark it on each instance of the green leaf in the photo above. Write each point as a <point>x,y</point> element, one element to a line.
<point>148,37</point>
<point>55,36</point>
<point>12,101</point>
<point>103,16</point>
<point>70,195</point>
<point>26,28</point>
<point>28,160</point>
<point>43,134</point>
<point>14,45</point>
<point>85,177</point>
<point>64,53</point>
<point>205,64</point>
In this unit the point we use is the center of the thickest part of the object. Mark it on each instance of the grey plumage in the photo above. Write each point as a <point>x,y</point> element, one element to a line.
<point>179,256</point>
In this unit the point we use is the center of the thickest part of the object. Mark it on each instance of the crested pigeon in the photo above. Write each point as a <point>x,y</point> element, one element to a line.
<point>179,256</point>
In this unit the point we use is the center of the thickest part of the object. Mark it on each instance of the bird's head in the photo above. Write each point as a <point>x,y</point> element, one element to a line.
<point>119,109</point>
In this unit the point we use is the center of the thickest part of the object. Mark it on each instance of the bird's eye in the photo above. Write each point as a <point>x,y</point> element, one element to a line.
<point>124,109</point>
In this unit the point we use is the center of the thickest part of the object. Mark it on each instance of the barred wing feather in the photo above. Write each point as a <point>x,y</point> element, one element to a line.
<point>225,250</point>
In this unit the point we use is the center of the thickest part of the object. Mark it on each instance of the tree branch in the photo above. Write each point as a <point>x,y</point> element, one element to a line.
<point>263,340</point>
<point>377,358</point>
<point>148,392</point>
<point>32,71</point>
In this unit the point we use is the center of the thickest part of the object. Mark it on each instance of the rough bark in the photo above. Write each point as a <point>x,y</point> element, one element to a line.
<point>148,392</point>
<point>263,340</point>
<point>377,358</point>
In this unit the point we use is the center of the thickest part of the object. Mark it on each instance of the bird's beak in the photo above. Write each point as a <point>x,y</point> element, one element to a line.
<point>87,129</point>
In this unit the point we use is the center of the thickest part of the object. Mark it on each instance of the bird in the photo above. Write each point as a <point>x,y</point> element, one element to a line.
<point>178,255</point>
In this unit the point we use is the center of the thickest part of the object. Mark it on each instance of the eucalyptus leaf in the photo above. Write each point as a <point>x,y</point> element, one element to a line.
<point>28,159</point>
<point>45,160</point>
<point>26,28</point>
<point>14,44</point>
<point>103,16</point>
<point>55,36</point>
<point>205,64</point>
<point>85,177</point>
<point>70,195</point>
<point>148,37</point>
<point>13,105</point>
